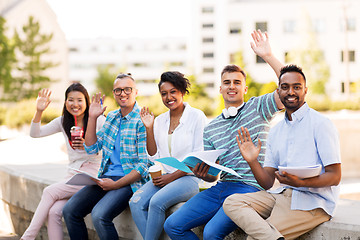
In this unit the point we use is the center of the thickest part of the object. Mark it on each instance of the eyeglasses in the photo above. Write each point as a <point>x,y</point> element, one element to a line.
<point>118,91</point>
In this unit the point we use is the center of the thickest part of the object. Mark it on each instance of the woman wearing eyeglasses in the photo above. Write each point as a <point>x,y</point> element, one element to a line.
<point>54,197</point>
<point>174,133</point>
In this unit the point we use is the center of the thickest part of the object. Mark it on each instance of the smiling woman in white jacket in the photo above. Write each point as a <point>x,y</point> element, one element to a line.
<point>174,133</point>
<point>54,197</point>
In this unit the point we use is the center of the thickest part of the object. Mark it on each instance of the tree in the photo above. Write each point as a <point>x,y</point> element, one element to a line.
<point>197,90</point>
<point>268,88</point>
<point>31,46</point>
<point>253,87</point>
<point>105,79</point>
<point>7,60</point>
<point>198,97</point>
<point>311,58</point>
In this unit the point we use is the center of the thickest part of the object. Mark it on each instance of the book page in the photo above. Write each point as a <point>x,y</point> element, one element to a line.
<point>191,159</point>
<point>82,178</point>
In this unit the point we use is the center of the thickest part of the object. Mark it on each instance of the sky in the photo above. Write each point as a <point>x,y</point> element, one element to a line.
<point>122,18</point>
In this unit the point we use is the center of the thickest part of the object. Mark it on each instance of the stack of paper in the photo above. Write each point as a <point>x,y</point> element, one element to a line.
<point>302,172</point>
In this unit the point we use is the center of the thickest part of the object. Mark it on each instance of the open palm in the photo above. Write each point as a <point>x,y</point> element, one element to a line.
<point>43,99</point>
<point>146,117</point>
<point>96,108</point>
<point>249,151</point>
<point>261,45</point>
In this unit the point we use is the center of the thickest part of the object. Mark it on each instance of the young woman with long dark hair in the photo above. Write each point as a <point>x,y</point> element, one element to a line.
<point>54,197</point>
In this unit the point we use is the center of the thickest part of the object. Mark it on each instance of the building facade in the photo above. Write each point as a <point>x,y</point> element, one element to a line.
<point>222,28</point>
<point>145,59</point>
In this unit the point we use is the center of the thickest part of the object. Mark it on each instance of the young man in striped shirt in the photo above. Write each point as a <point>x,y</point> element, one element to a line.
<point>256,114</point>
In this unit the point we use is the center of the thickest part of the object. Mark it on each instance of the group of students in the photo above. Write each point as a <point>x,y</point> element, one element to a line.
<point>131,139</point>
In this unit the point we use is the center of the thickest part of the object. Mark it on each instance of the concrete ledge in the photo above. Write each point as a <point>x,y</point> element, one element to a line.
<point>20,194</point>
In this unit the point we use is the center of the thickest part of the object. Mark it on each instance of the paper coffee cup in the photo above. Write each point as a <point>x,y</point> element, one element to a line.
<point>155,171</point>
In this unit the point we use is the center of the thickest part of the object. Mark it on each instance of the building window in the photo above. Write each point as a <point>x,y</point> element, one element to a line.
<point>351,56</point>
<point>140,64</point>
<point>289,26</point>
<point>350,24</point>
<point>208,70</point>
<point>208,55</point>
<point>208,25</point>
<point>146,80</point>
<point>210,85</point>
<point>261,25</point>
<point>352,87</point>
<point>207,10</point>
<point>319,25</point>
<point>176,64</point>
<point>208,40</point>
<point>182,47</point>
<point>235,28</point>
<point>259,59</point>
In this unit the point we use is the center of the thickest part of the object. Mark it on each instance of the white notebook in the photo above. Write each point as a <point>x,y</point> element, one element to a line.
<point>82,178</point>
<point>302,172</point>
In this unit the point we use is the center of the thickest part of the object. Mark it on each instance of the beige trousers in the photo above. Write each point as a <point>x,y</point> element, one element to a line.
<point>267,216</point>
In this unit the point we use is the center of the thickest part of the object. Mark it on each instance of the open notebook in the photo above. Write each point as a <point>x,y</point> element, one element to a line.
<point>191,159</point>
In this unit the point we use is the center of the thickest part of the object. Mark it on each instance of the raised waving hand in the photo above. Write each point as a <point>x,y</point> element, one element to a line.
<point>261,44</point>
<point>42,102</point>
<point>96,108</point>
<point>248,150</point>
<point>43,99</point>
<point>147,117</point>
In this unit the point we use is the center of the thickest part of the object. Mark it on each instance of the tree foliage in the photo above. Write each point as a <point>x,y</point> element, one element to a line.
<point>253,86</point>
<point>198,97</point>
<point>311,58</point>
<point>7,60</point>
<point>31,46</point>
<point>105,79</point>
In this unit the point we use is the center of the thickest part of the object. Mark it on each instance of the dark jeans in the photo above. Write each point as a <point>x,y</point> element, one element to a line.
<point>205,208</point>
<point>104,206</point>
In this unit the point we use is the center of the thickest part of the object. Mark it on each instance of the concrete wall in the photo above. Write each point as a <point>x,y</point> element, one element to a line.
<point>20,194</point>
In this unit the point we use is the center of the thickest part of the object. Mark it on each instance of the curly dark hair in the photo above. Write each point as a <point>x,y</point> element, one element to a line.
<point>177,79</point>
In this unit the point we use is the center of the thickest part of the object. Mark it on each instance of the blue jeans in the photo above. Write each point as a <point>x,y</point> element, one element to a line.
<point>205,208</point>
<point>149,203</point>
<point>104,206</point>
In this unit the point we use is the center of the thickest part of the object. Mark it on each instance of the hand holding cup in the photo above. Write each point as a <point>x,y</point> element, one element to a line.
<point>155,171</point>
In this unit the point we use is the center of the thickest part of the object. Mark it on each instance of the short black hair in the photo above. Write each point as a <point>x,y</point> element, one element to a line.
<point>291,68</point>
<point>232,68</point>
<point>177,79</point>
<point>124,75</point>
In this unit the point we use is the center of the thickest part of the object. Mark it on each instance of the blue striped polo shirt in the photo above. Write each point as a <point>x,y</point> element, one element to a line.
<point>255,115</point>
